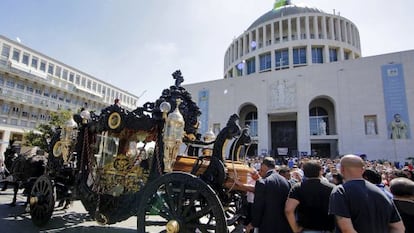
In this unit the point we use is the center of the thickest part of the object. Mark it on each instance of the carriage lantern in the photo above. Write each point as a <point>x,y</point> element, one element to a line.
<point>173,134</point>
<point>209,136</point>
<point>67,135</point>
<point>86,116</point>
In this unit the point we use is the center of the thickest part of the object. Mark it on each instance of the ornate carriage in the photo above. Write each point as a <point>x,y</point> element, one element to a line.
<point>105,163</point>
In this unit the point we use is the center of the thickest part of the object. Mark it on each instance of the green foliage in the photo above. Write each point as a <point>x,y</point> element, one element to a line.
<point>59,118</point>
<point>38,137</point>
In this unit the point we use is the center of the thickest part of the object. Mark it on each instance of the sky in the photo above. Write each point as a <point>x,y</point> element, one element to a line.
<point>137,44</point>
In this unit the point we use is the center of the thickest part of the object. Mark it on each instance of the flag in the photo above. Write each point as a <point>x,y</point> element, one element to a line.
<point>280,3</point>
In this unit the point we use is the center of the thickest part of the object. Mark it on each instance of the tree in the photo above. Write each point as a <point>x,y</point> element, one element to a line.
<point>42,132</point>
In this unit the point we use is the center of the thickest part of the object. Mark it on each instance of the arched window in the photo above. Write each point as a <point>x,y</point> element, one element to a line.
<point>251,121</point>
<point>318,121</point>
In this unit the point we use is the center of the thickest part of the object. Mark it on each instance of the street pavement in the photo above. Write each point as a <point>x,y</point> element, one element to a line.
<point>75,219</point>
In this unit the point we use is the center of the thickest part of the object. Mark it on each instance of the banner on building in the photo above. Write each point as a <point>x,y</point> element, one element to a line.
<point>395,101</point>
<point>203,99</point>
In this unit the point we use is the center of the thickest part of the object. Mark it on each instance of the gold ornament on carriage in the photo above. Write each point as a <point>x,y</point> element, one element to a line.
<point>114,120</point>
<point>173,134</point>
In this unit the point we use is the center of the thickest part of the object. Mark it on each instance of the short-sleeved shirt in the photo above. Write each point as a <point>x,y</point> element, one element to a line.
<point>406,209</point>
<point>312,211</point>
<point>365,204</point>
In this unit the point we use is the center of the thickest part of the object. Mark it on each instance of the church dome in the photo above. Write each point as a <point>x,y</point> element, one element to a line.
<point>291,36</point>
<point>283,12</point>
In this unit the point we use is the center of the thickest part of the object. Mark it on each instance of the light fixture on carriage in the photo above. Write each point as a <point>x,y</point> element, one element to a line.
<point>68,133</point>
<point>85,115</point>
<point>209,136</point>
<point>69,130</point>
<point>173,134</point>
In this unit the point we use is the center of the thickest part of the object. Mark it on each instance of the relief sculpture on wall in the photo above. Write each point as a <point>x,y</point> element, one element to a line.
<point>282,95</point>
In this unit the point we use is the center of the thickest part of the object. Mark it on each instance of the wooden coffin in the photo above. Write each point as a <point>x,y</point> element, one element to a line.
<point>235,170</point>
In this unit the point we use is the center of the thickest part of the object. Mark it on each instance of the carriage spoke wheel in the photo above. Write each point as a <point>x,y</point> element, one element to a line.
<point>180,202</point>
<point>41,201</point>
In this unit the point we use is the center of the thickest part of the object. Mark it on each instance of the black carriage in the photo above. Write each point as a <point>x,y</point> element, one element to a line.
<point>106,164</point>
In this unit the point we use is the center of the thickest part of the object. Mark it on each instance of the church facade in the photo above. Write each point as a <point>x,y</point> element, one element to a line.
<point>297,79</point>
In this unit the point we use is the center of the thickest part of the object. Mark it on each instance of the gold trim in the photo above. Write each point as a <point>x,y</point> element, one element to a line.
<point>172,226</point>
<point>58,149</point>
<point>114,120</point>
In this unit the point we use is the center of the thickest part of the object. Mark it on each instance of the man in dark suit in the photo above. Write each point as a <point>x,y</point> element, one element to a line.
<point>270,196</point>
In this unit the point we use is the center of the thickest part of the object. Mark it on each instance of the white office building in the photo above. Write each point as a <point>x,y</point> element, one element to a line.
<point>32,85</point>
<point>297,77</point>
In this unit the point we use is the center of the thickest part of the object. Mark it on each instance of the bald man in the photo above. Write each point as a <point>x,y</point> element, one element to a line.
<point>360,206</point>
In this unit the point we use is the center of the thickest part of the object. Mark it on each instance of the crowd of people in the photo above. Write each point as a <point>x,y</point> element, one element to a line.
<point>320,195</point>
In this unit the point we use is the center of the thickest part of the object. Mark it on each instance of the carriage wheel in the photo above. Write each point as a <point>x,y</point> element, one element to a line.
<point>235,210</point>
<point>41,201</point>
<point>180,202</point>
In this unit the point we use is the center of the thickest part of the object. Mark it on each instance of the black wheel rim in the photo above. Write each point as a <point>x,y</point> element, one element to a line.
<point>182,198</point>
<point>41,208</point>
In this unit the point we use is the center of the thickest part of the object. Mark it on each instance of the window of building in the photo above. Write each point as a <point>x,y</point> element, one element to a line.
<point>299,56</point>
<point>5,51</point>
<point>282,58</point>
<point>13,121</point>
<point>251,121</point>
<point>34,62</point>
<point>20,86</point>
<point>99,88</point>
<point>317,55</point>
<point>25,114</point>
<point>16,55</point>
<point>25,59</point>
<point>50,69</point>
<point>251,65</point>
<point>1,80</point>
<point>43,66</point>
<point>77,79</point>
<point>71,77</point>
<point>38,91</point>
<point>5,108</point>
<point>65,74</point>
<point>347,55</point>
<point>265,62</point>
<point>23,123</point>
<point>318,121</point>
<point>15,111</point>
<point>29,89</point>
<point>10,83</point>
<point>58,71</point>
<point>89,84</point>
<point>83,84</point>
<point>239,69</point>
<point>94,86</point>
<point>333,54</point>
<point>3,120</point>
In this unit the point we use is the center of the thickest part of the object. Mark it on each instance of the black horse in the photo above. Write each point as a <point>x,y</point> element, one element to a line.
<point>9,157</point>
<point>24,172</point>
